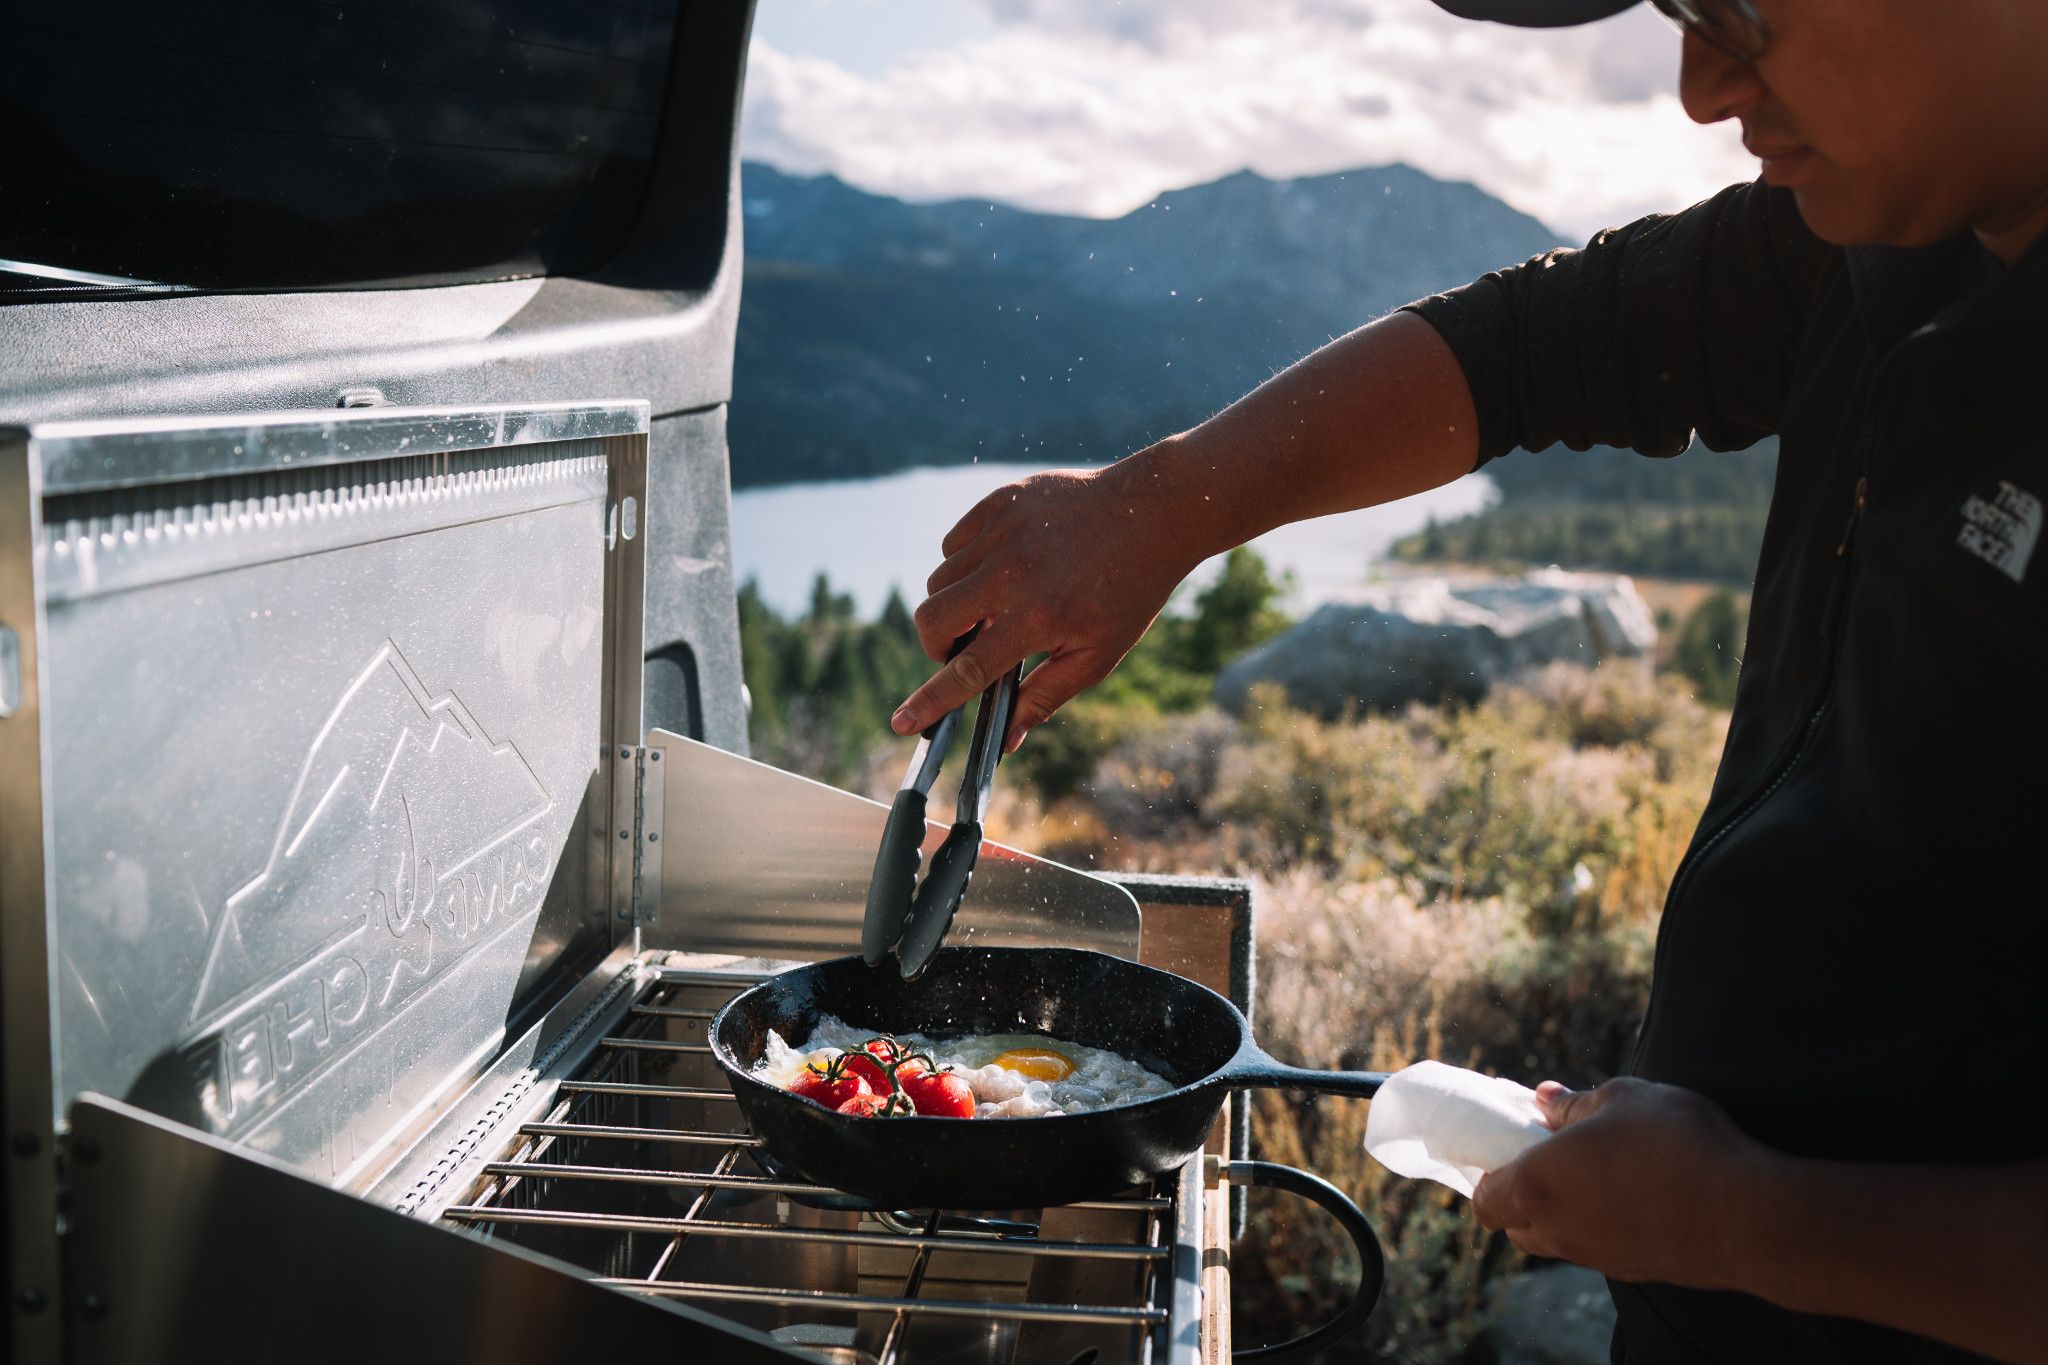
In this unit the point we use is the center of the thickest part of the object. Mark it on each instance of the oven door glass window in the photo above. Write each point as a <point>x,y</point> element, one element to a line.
<point>266,144</point>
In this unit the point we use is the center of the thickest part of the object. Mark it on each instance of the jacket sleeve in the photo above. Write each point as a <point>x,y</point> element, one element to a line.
<point>1674,324</point>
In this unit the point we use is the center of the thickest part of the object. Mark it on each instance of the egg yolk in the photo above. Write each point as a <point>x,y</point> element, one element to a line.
<point>1039,1063</point>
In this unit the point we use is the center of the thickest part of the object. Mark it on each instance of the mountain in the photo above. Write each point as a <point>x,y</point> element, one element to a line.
<point>876,334</point>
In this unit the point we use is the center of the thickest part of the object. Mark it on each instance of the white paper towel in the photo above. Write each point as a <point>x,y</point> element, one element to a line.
<point>1444,1123</point>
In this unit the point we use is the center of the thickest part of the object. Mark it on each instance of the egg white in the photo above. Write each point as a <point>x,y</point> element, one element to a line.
<point>1100,1078</point>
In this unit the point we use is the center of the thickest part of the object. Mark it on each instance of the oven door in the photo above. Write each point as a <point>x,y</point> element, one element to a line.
<point>308,778</point>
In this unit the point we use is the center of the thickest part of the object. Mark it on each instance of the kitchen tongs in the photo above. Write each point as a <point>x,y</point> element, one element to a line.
<point>904,913</point>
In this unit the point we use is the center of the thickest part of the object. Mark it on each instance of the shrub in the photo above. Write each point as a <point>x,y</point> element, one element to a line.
<point>1551,794</point>
<point>1477,883</point>
<point>1359,975</point>
<point>1157,779</point>
<point>1708,649</point>
<point>1062,754</point>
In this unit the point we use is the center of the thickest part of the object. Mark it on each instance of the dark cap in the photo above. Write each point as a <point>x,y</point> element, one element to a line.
<point>1536,13</point>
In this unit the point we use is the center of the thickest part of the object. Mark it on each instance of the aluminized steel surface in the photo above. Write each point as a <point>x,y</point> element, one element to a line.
<point>759,861</point>
<point>325,782</point>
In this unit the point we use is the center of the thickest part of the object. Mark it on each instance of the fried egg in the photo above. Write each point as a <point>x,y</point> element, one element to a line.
<point>1012,1075</point>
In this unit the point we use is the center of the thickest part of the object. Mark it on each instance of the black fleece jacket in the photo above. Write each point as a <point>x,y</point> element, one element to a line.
<point>1851,955</point>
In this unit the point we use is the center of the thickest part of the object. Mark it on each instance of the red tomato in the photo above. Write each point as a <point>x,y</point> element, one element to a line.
<point>869,1105</point>
<point>941,1093</point>
<point>831,1086</point>
<point>868,1069</point>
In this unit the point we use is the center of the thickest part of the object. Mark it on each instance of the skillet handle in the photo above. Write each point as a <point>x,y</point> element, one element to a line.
<point>1372,1262</point>
<point>1257,1069</point>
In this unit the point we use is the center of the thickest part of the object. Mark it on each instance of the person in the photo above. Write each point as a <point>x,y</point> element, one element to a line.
<point>1825,1146</point>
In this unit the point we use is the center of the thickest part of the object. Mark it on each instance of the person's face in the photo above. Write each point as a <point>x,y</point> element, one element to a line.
<point>1893,121</point>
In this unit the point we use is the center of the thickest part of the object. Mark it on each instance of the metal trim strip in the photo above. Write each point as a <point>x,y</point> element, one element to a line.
<point>127,538</point>
<point>83,456</point>
<point>1109,1316</point>
<point>27,1009</point>
<point>710,1227</point>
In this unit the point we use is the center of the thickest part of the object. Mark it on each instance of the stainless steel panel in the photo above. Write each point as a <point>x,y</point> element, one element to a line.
<point>757,861</point>
<point>189,1249</point>
<point>322,746</point>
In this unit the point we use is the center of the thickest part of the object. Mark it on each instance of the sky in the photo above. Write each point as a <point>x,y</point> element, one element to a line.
<point>1094,106</point>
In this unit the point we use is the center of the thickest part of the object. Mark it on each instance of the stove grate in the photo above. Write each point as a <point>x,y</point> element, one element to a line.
<point>641,1172</point>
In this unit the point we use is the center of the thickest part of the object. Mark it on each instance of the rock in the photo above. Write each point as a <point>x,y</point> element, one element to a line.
<point>1426,639</point>
<point>1559,1315</point>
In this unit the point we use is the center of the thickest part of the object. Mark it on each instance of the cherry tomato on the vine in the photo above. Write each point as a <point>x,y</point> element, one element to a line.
<point>944,1094</point>
<point>832,1086</point>
<point>888,1050</point>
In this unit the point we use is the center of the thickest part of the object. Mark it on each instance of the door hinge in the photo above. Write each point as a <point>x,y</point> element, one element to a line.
<point>636,815</point>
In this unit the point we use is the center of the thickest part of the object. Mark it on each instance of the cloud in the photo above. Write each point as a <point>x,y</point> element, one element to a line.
<point>1089,107</point>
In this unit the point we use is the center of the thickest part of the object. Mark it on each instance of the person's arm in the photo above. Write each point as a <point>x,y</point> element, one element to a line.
<point>1648,1182</point>
<point>1668,325</point>
<point>1077,563</point>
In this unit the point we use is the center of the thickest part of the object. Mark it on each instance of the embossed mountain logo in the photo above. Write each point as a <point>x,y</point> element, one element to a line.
<point>403,825</point>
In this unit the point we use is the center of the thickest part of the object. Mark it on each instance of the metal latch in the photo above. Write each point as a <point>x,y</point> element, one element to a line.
<point>636,815</point>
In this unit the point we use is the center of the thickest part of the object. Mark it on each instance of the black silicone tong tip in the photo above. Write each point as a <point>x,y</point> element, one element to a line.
<point>938,898</point>
<point>896,864</point>
<point>902,847</point>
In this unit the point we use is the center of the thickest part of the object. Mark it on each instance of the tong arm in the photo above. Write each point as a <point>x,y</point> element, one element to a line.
<point>939,894</point>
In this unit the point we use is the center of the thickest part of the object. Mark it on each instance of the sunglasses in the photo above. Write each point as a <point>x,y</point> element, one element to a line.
<point>1731,27</point>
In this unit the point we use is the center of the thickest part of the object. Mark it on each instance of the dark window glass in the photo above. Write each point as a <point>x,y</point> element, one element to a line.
<point>264,144</point>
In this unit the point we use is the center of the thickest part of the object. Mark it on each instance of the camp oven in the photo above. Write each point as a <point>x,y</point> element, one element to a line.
<point>360,944</point>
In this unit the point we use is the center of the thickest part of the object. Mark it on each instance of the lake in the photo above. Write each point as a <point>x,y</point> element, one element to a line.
<point>870,535</point>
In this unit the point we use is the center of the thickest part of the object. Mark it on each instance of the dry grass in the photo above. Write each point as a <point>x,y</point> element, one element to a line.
<point>1479,884</point>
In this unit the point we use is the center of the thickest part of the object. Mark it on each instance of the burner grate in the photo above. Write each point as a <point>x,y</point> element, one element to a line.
<point>641,1172</point>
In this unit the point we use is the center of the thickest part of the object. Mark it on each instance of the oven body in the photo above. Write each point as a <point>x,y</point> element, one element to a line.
<point>347,899</point>
<point>372,745</point>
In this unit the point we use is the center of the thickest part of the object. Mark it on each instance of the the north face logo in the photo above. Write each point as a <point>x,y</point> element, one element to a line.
<point>2002,530</point>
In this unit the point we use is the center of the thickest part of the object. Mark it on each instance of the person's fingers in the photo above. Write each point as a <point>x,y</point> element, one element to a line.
<point>956,567</point>
<point>970,526</point>
<point>969,674</point>
<point>1494,1199</point>
<point>1534,1243</point>
<point>1047,688</point>
<point>947,615</point>
<point>1563,1107</point>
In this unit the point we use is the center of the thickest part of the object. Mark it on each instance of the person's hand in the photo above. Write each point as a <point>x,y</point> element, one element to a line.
<point>1072,562</point>
<point>1641,1182</point>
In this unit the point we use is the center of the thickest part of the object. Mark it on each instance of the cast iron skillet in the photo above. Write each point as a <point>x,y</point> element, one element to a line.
<point>1176,1027</point>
